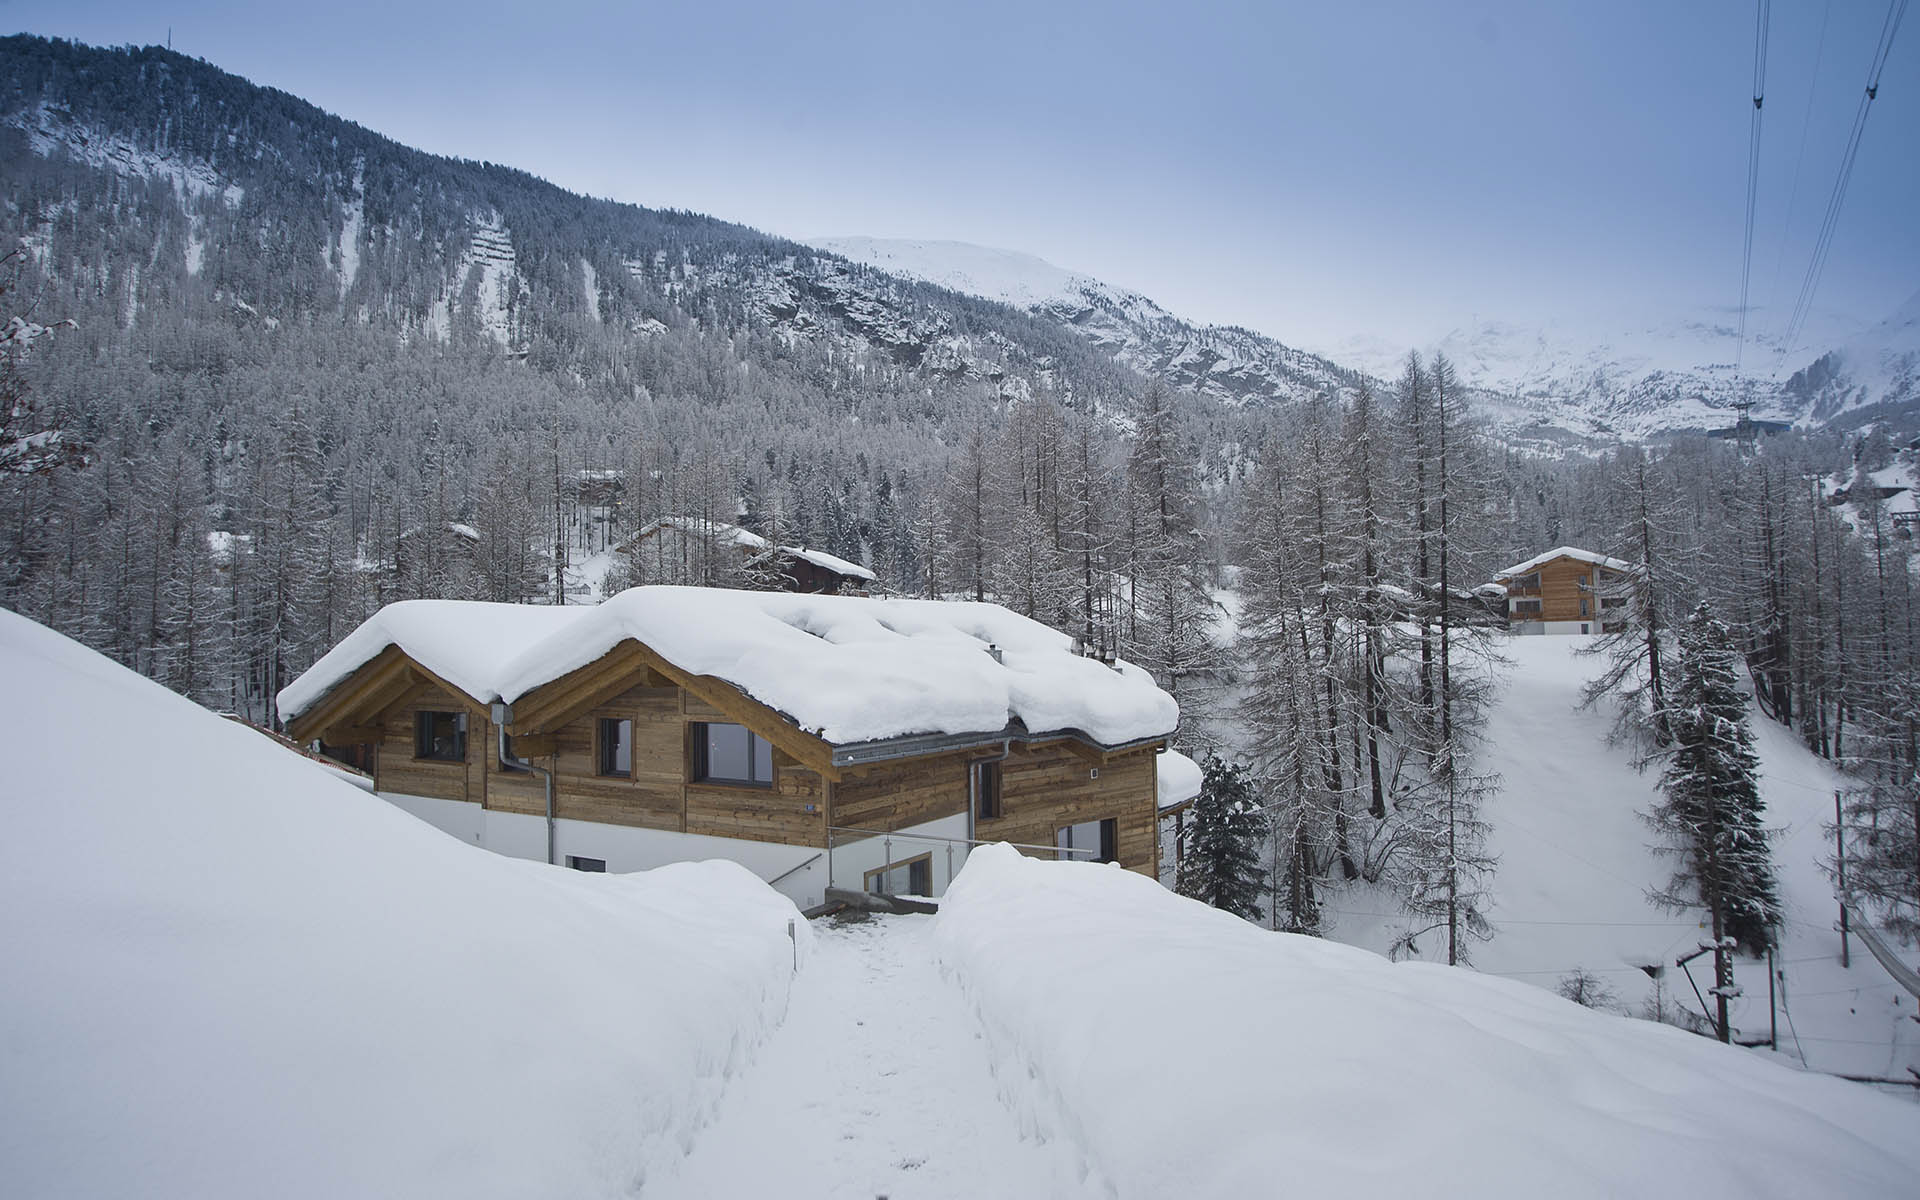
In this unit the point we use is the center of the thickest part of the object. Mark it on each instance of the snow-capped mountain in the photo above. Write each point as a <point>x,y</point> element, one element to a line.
<point>1230,363</point>
<point>1638,376</point>
<point>1629,377</point>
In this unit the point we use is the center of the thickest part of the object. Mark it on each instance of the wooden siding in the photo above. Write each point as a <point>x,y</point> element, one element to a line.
<point>1564,583</point>
<point>1045,788</point>
<point>894,795</point>
<point>659,793</point>
<point>397,770</point>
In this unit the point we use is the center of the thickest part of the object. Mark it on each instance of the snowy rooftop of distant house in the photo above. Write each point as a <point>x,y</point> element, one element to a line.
<point>733,535</point>
<point>846,668</point>
<point>1574,552</point>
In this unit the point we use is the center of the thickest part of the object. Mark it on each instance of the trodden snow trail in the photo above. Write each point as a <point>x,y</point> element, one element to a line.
<point>877,1084</point>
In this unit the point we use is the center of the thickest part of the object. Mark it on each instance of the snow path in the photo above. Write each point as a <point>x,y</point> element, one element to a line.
<point>877,1085</point>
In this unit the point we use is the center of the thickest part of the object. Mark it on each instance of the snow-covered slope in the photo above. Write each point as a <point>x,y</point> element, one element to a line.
<point>228,973</point>
<point>1187,1053</point>
<point>1574,871</point>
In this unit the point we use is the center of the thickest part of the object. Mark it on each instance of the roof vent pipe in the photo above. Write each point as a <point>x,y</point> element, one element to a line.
<point>502,717</point>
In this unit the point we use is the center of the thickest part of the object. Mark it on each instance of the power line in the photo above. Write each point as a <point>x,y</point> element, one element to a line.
<point>1800,156</point>
<point>1753,171</point>
<point>1803,304</point>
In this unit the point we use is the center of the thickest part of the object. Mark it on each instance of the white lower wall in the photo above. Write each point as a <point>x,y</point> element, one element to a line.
<point>853,859</point>
<point>621,847</point>
<point>1576,628</point>
<point>456,817</point>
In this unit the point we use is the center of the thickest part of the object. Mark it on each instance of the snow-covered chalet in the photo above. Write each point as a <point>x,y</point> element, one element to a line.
<point>820,741</point>
<point>1567,590</point>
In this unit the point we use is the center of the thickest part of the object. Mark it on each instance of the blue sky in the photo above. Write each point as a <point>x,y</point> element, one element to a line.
<point>1316,171</point>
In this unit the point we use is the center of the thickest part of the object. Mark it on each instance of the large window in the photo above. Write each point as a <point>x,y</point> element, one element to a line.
<point>1529,582</point>
<point>441,736</point>
<point>1607,602</point>
<point>616,747</point>
<point>986,785</point>
<point>913,877</point>
<point>725,753</point>
<point>1525,607</point>
<point>1090,841</point>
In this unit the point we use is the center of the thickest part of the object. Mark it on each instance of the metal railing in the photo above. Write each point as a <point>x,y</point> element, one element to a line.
<point>888,836</point>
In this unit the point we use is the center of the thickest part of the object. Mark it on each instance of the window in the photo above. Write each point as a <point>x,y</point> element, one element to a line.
<point>986,785</point>
<point>1607,602</point>
<point>586,864</point>
<point>731,754</point>
<point>1613,627</point>
<point>1090,841</point>
<point>441,736</point>
<point>1584,610</point>
<point>616,747</point>
<point>911,877</point>
<point>1528,583</point>
<point>1525,607</point>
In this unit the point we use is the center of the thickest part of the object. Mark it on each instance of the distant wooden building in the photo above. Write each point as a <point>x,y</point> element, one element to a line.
<point>1566,590</point>
<point>718,554</point>
<point>821,741</point>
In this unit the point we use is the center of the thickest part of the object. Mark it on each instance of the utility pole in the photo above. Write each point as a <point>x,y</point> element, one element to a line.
<point>1840,860</point>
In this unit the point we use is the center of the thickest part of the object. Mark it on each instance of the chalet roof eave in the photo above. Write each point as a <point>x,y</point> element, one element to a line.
<point>855,754</point>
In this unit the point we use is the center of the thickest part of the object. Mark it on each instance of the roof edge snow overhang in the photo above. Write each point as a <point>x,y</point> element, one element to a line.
<point>856,754</point>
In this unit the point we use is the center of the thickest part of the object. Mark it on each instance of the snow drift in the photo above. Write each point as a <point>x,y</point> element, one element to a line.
<point>230,974</point>
<point>1188,1053</point>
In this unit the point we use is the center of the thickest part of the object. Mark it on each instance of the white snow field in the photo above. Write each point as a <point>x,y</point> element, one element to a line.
<point>227,973</point>
<point>878,1085</point>
<point>1571,886</point>
<point>1188,1053</point>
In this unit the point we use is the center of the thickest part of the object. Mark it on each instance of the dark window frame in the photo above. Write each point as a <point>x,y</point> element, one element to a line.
<point>989,791</point>
<point>1109,850</point>
<point>424,749</point>
<point>605,752</point>
<point>919,869</point>
<point>700,771</point>
<point>592,866</point>
<point>1530,605</point>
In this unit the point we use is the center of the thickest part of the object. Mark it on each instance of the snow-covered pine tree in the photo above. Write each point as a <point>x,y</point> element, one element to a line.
<point>1711,816</point>
<point>1644,509</point>
<point>1222,866</point>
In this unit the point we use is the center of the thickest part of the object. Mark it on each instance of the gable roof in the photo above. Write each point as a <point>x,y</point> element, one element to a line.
<point>844,668</point>
<point>1573,552</point>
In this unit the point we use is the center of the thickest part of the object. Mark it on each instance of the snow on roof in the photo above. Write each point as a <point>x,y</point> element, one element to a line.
<point>847,668</point>
<point>719,531</point>
<point>1586,556</point>
<point>822,559</point>
<point>1178,779</point>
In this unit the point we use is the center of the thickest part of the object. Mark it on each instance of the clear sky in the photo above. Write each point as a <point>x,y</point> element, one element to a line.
<point>1313,170</point>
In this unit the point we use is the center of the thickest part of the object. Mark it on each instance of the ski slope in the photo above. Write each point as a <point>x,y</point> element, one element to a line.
<point>1574,872</point>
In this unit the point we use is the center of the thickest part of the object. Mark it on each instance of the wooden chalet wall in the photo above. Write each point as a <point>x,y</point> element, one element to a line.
<point>1048,786</point>
<point>1043,787</point>
<point>1564,583</point>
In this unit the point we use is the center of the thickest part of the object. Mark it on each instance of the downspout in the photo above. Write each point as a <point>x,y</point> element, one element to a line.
<point>503,717</point>
<point>973,792</point>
